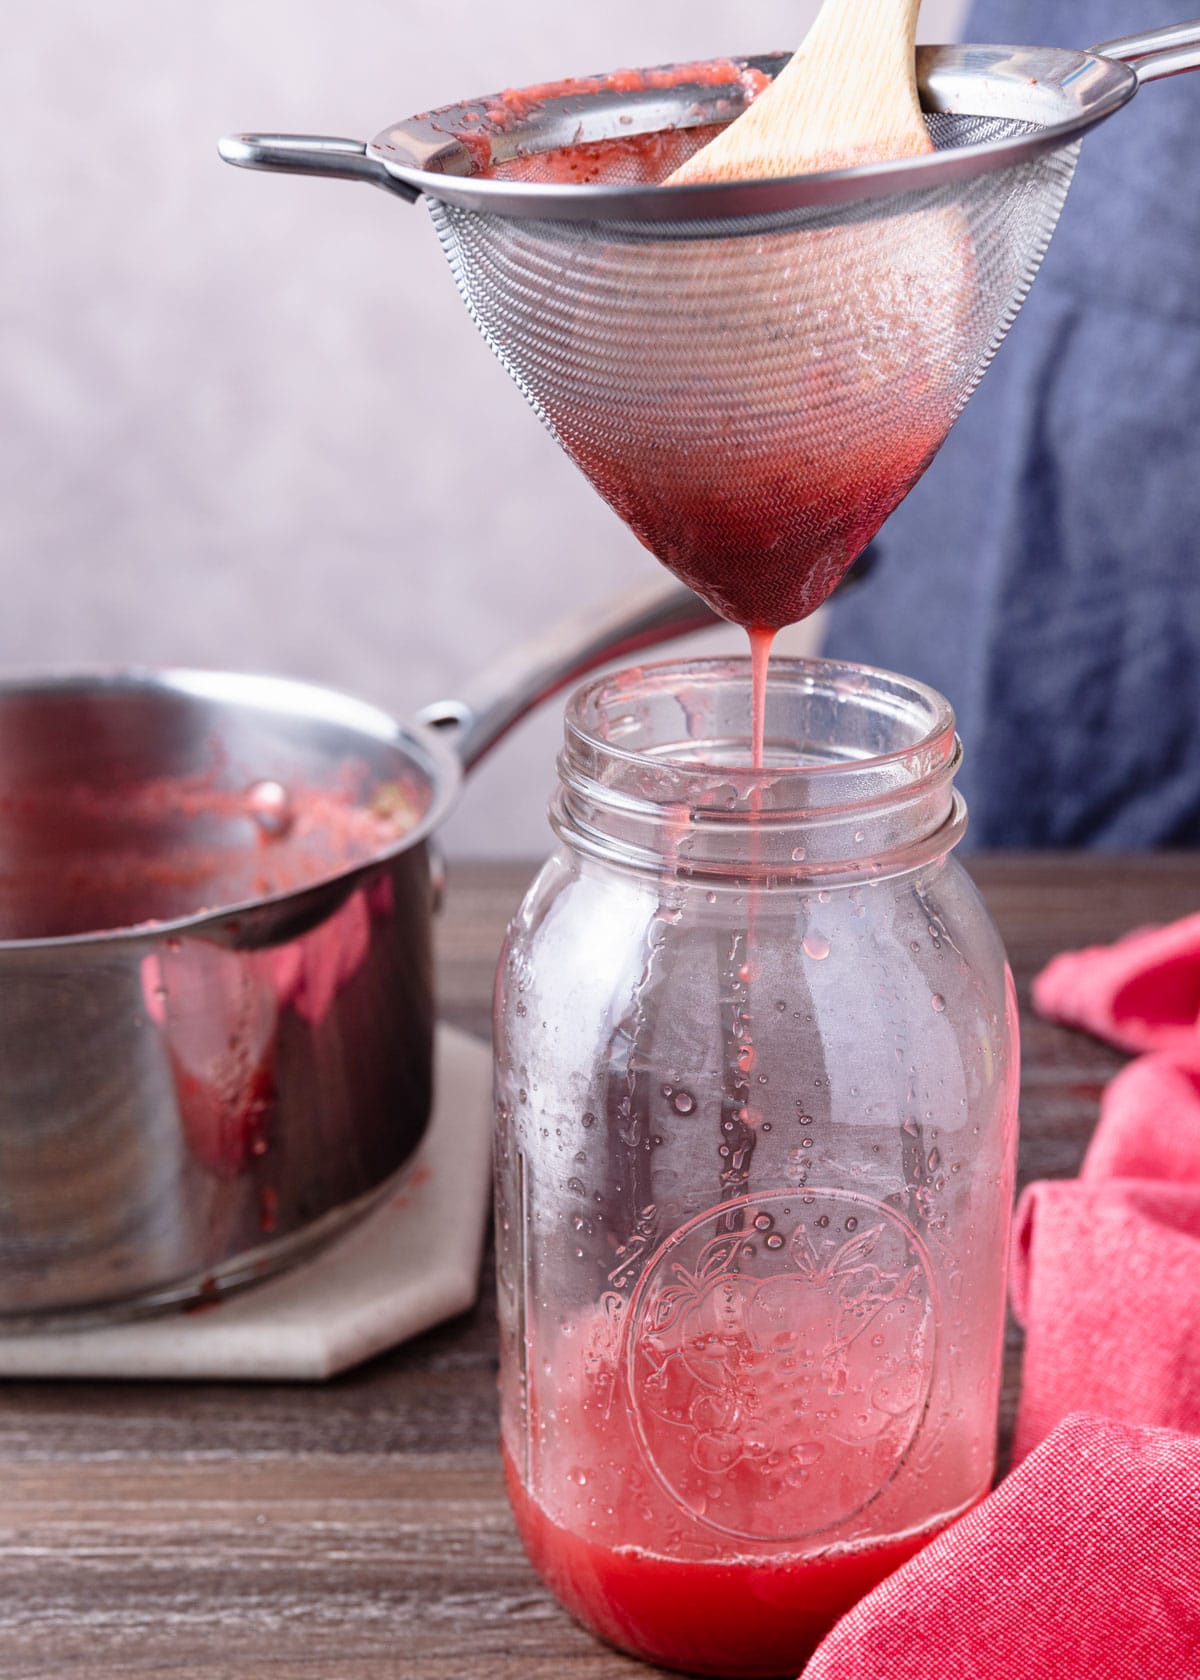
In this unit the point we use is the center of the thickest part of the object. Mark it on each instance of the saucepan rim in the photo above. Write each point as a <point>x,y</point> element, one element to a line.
<point>421,744</point>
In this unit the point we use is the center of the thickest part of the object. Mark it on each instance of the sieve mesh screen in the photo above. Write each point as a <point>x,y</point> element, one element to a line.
<point>755,396</point>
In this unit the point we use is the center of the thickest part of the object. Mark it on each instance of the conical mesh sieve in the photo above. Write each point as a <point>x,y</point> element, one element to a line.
<point>754,396</point>
<point>753,375</point>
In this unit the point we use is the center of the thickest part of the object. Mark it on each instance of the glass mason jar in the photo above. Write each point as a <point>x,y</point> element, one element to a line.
<point>756,1088</point>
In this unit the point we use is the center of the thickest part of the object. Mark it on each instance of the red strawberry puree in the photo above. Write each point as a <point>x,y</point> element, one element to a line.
<point>646,157</point>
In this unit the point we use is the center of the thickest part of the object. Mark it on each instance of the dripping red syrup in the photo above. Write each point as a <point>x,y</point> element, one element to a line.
<point>761,641</point>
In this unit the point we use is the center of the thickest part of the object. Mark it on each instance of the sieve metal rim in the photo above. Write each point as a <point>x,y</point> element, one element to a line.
<point>425,156</point>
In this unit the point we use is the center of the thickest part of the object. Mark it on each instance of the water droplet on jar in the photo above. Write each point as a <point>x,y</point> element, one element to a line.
<point>852,1224</point>
<point>799,854</point>
<point>939,1003</point>
<point>910,1126</point>
<point>683,1102</point>
<point>816,946</point>
<point>270,805</point>
<point>823,1221</point>
<point>805,1119</point>
<point>935,1160</point>
<point>588,1121</point>
<point>914,945</point>
<point>763,1222</point>
<point>774,1241</point>
<point>710,898</point>
<point>823,897</point>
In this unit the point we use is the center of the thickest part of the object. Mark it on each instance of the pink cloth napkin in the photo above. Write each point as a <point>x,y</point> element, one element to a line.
<point>1085,1563</point>
<point>1143,993</point>
<point>1106,1267</point>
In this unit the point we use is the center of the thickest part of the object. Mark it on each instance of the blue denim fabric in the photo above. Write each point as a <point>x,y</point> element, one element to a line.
<point>1046,573</point>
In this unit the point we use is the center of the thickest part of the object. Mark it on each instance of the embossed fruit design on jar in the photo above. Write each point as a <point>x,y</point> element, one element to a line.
<point>756,1074</point>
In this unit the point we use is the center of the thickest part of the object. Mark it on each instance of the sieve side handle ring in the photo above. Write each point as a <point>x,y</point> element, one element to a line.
<point>312,154</point>
<point>1159,52</point>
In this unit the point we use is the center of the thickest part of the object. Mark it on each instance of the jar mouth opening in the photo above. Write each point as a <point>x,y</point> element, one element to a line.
<point>833,730</point>
<point>858,770</point>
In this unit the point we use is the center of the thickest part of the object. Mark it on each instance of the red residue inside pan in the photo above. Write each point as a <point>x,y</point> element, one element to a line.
<point>83,858</point>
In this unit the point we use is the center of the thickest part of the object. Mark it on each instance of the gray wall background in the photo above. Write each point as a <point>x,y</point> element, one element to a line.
<point>245,420</point>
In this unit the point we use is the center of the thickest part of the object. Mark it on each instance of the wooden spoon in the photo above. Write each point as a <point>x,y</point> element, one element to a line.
<point>848,96</point>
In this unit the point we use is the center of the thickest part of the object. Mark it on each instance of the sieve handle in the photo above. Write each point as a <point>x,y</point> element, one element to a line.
<point>311,154</point>
<point>515,685</point>
<point>1159,52</point>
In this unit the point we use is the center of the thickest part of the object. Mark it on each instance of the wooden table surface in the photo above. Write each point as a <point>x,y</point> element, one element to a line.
<point>359,1530</point>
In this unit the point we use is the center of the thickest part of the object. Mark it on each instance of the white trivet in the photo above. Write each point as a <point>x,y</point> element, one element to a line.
<point>409,1264</point>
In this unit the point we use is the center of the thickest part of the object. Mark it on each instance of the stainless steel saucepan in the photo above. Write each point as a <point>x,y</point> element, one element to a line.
<point>216,995</point>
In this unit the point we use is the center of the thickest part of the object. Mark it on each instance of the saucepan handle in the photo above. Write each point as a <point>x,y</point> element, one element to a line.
<point>312,154</point>
<point>1159,52</point>
<point>513,687</point>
